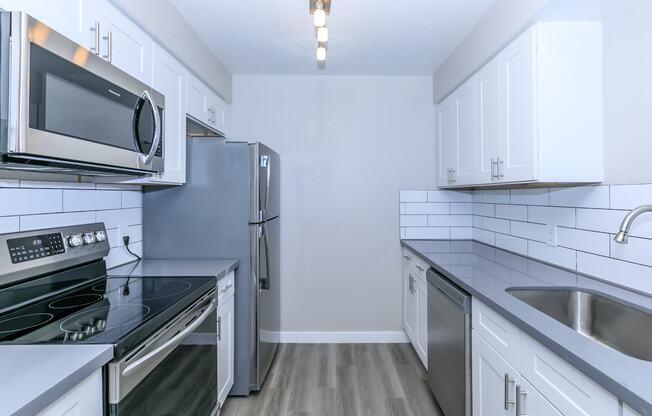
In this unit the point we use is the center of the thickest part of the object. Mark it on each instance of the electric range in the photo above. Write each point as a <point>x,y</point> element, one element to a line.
<point>54,289</point>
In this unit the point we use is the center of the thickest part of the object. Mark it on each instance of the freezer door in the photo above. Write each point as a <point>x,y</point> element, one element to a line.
<point>265,184</point>
<point>266,291</point>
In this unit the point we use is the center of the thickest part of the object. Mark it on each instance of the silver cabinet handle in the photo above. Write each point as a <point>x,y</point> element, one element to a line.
<point>96,28</point>
<point>109,46</point>
<point>157,128</point>
<point>172,342</point>
<point>226,288</point>
<point>493,171</point>
<point>499,163</point>
<point>219,328</point>
<point>508,381</point>
<point>411,284</point>
<point>453,173</point>
<point>406,257</point>
<point>520,395</point>
<point>420,268</point>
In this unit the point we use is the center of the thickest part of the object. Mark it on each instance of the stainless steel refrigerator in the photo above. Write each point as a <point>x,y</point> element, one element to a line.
<point>229,208</point>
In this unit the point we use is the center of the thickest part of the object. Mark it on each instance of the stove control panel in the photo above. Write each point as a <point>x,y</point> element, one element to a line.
<point>35,247</point>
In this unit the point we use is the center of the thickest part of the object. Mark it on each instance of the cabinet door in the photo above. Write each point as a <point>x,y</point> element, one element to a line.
<point>76,23</point>
<point>488,108</point>
<point>464,149</point>
<point>421,296</point>
<point>447,143</point>
<point>199,100</point>
<point>124,44</point>
<point>518,144</point>
<point>86,399</point>
<point>409,304</point>
<point>225,350</point>
<point>493,381</point>
<point>532,403</point>
<point>219,115</point>
<point>169,78</point>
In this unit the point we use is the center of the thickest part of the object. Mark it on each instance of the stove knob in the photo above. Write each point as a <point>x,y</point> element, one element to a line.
<point>75,240</point>
<point>89,238</point>
<point>100,236</point>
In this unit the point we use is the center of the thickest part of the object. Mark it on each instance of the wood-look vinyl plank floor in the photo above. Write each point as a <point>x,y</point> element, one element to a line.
<point>341,380</point>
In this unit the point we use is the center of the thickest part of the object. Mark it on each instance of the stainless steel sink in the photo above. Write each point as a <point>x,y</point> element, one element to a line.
<point>623,327</point>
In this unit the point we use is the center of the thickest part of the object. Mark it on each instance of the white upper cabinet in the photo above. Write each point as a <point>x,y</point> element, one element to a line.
<point>538,112</point>
<point>124,44</point>
<point>205,106</point>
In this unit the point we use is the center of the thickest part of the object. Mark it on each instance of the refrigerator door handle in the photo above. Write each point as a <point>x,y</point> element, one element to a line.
<point>266,162</point>
<point>266,285</point>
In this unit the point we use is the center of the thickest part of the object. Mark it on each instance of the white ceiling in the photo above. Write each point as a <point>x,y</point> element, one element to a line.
<point>382,37</point>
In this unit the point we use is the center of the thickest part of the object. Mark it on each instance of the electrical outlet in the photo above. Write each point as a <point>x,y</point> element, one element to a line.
<point>551,235</point>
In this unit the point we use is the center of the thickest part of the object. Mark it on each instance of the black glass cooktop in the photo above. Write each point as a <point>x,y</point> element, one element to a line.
<point>116,310</point>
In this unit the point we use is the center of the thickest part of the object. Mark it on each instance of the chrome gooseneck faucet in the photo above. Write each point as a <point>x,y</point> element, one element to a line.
<point>621,237</point>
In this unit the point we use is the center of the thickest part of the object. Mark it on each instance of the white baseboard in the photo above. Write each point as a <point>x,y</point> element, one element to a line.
<point>366,337</point>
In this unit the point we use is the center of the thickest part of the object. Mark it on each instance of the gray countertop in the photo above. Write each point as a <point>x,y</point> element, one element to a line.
<point>176,268</point>
<point>35,376</point>
<point>485,272</point>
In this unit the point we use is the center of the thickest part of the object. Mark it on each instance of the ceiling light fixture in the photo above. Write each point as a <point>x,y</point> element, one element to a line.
<point>322,34</point>
<point>319,15</point>
<point>321,53</point>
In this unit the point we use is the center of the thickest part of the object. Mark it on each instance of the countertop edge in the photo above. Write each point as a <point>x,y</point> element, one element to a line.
<point>220,272</point>
<point>51,395</point>
<point>612,386</point>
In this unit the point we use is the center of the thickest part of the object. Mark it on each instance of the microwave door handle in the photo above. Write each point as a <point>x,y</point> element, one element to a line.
<point>157,128</point>
<point>171,343</point>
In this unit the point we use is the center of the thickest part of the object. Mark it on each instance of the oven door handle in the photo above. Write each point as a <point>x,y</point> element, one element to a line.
<point>171,343</point>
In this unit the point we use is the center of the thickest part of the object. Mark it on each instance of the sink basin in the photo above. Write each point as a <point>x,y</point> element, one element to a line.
<point>600,317</point>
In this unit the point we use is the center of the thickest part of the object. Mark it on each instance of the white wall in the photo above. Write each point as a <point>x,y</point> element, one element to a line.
<point>31,205</point>
<point>347,145</point>
<point>627,65</point>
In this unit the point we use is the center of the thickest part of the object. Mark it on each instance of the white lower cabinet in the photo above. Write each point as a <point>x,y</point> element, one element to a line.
<point>530,380</point>
<point>629,412</point>
<point>225,349</point>
<point>85,399</point>
<point>415,305</point>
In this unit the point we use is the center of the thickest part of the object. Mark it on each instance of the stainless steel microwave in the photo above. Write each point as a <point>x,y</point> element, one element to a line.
<point>65,109</point>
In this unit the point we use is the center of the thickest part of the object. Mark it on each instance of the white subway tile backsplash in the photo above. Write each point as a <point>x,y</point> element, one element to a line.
<point>421,233</point>
<point>498,196</point>
<point>401,208</point>
<point>427,208</point>
<point>528,230</point>
<point>617,271</point>
<point>414,220</point>
<point>449,196</point>
<point>630,196</point>
<point>413,196</point>
<point>120,255</point>
<point>512,212</point>
<point>487,210</point>
<point>535,196</point>
<point>581,196</point>
<point>9,225</point>
<point>637,250</point>
<point>564,217</point>
<point>592,242</point>
<point>461,208</point>
<point>36,222</point>
<point>515,244</point>
<point>16,201</point>
<point>561,256</point>
<point>450,220</point>
<point>91,200</point>
<point>461,233</point>
<point>132,199</point>
<point>120,217</point>
<point>516,219</point>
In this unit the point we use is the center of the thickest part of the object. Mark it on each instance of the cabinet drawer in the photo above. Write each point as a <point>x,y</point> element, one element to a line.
<point>571,391</point>
<point>501,334</point>
<point>225,288</point>
<point>416,266</point>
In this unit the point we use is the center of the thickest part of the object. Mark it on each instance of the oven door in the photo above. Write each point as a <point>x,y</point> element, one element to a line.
<point>174,372</point>
<point>71,106</point>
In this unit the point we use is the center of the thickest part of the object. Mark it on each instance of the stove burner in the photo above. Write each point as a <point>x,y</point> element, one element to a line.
<point>75,301</point>
<point>164,288</point>
<point>92,321</point>
<point>101,287</point>
<point>22,322</point>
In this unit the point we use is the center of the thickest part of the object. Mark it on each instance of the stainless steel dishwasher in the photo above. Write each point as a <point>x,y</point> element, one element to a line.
<point>449,345</point>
